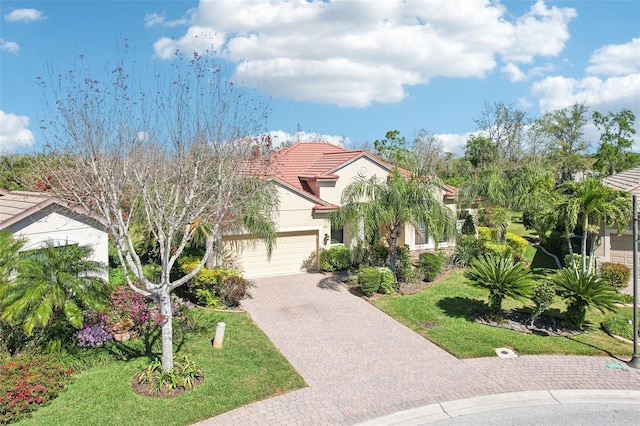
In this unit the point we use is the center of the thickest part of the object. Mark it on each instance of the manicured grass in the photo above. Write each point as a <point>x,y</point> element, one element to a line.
<point>246,369</point>
<point>441,314</point>
<point>518,228</point>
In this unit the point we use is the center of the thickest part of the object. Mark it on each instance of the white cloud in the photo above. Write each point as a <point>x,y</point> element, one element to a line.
<point>354,53</point>
<point>151,19</point>
<point>279,137</point>
<point>513,72</point>
<point>611,94</point>
<point>540,32</point>
<point>616,59</point>
<point>24,15</point>
<point>453,142</point>
<point>14,131</point>
<point>9,46</point>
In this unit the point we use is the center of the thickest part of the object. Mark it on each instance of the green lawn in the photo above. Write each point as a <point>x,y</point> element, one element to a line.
<point>441,314</point>
<point>246,369</point>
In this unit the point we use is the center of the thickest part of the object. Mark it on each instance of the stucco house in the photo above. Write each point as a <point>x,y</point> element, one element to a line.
<point>310,178</point>
<point>613,247</point>
<point>38,217</point>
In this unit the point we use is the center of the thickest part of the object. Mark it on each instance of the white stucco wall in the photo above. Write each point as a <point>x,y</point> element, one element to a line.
<point>63,227</point>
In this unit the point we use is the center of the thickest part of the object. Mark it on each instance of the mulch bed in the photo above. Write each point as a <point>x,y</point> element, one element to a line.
<point>147,389</point>
<point>544,325</point>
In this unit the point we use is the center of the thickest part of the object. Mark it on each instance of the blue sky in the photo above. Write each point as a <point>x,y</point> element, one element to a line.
<point>345,70</point>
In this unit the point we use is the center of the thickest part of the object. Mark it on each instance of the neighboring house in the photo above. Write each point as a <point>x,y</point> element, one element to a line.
<point>310,178</point>
<point>613,247</point>
<point>38,217</point>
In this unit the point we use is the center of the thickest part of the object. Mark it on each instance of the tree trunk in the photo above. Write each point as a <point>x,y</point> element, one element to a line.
<point>394,256</point>
<point>583,250</point>
<point>167,330</point>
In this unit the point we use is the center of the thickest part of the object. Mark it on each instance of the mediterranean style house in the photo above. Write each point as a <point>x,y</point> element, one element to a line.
<point>310,178</point>
<point>39,217</point>
<point>613,247</point>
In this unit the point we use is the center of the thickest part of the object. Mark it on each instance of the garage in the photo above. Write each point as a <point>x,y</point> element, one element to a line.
<point>294,252</point>
<point>622,249</point>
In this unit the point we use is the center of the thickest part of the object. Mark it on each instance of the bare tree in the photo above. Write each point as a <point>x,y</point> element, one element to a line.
<point>165,151</point>
<point>429,153</point>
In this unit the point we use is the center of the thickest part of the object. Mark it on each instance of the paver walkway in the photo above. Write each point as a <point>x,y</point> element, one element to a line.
<point>360,363</point>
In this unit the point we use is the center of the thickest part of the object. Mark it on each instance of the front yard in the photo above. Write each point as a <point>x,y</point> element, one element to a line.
<point>248,368</point>
<point>441,313</point>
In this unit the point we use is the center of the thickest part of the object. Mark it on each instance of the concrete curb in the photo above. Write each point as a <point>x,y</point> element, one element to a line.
<point>461,407</point>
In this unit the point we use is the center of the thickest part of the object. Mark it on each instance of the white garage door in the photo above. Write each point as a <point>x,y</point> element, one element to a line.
<point>622,249</point>
<point>294,252</point>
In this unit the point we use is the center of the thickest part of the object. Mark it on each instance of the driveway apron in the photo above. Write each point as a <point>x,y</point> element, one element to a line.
<point>359,363</point>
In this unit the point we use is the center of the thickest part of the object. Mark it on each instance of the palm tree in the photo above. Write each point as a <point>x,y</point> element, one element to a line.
<point>52,283</point>
<point>9,248</point>
<point>369,204</point>
<point>501,191</point>
<point>502,278</point>
<point>588,204</point>
<point>583,290</point>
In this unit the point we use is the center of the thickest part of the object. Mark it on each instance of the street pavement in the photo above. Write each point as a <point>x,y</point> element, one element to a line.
<point>361,365</point>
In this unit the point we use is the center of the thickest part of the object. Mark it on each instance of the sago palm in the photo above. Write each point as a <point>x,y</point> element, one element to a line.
<point>582,291</point>
<point>502,278</point>
<point>54,282</point>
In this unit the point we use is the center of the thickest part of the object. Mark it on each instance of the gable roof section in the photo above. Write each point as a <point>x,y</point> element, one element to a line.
<point>313,160</point>
<point>296,165</point>
<point>18,205</point>
<point>627,180</point>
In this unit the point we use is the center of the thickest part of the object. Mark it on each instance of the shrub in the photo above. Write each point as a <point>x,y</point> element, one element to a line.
<point>404,267</point>
<point>616,274</point>
<point>387,280</point>
<point>542,298</point>
<point>468,227</point>
<point>583,291</point>
<point>336,258</point>
<point>502,278</point>
<point>467,248</point>
<point>430,265</point>
<point>619,326</point>
<point>94,332</point>
<point>528,220</point>
<point>577,257</point>
<point>485,234</point>
<point>489,248</point>
<point>184,374</point>
<point>369,279</point>
<point>28,381</point>
<point>518,246</point>
<point>214,287</point>
<point>379,255</point>
<point>233,290</point>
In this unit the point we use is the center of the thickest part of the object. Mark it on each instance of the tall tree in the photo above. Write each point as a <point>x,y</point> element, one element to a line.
<point>427,149</point>
<point>503,125</point>
<point>165,152</point>
<point>564,131</point>
<point>391,203</point>
<point>394,149</point>
<point>616,139</point>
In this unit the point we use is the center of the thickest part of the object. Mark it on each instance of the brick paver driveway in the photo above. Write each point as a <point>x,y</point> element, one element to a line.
<point>359,363</point>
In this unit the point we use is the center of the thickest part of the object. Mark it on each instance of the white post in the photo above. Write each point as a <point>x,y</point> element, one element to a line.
<point>219,336</point>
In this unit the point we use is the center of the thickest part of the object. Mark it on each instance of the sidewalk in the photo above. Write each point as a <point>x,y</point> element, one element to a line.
<point>361,364</point>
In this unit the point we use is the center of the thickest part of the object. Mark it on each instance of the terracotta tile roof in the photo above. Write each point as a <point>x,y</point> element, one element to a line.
<point>290,163</point>
<point>296,165</point>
